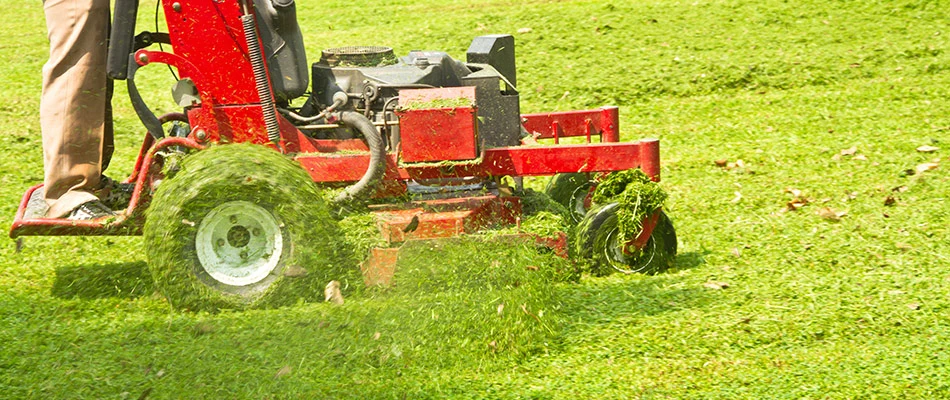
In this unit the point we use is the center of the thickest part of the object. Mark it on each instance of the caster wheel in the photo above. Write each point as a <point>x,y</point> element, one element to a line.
<point>598,241</point>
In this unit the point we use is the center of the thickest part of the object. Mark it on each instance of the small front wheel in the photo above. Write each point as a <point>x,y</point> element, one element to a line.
<point>598,241</point>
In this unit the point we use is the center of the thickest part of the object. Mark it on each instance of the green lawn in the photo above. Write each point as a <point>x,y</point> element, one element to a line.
<point>765,303</point>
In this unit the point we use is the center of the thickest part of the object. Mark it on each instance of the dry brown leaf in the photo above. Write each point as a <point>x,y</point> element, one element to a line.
<point>794,192</point>
<point>927,149</point>
<point>861,157</point>
<point>715,285</point>
<point>900,189</point>
<point>795,204</point>
<point>501,309</point>
<point>524,30</point>
<point>831,215</point>
<point>914,306</point>
<point>376,336</point>
<point>283,371</point>
<point>332,293</point>
<point>722,162</point>
<point>890,201</point>
<point>849,151</point>
<point>926,167</point>
<point>735,252</point>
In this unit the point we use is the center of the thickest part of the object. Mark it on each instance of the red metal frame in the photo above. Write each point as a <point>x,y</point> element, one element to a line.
<point>209,49</point>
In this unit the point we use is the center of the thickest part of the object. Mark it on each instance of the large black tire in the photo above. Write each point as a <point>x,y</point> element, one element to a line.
<point>570,190</point>
<point>240,226</point>
<point>597,242</point>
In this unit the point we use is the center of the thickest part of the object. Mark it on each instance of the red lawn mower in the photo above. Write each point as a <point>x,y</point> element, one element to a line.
<point>424,138</point>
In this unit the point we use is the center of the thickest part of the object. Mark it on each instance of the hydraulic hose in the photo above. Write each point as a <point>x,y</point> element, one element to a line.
<point>377,154</point>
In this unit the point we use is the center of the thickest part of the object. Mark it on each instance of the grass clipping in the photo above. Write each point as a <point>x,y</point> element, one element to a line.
<point>636,196</point>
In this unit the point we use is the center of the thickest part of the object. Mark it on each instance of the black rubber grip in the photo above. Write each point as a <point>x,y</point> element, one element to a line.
<point>122,37</point>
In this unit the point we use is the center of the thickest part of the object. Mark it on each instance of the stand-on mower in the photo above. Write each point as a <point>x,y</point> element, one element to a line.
<point>426,139</point>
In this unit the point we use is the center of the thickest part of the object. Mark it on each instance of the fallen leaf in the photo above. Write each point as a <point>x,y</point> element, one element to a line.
<point>493,345</point>
<point>721,162</point>
<point>798,200</point>
<point>737,198</point>
<point>927,149</point>
<point>795,204</point>
<point>890,201</point>
<point>735,252</point>
<point>524,30</point>
<point>914,306</point>
<point>283,371</point>
<point>926,167</point>
<point>295,271</point>
<point>376,336</point>
<point>501,309</point>
<point>900,189</point>
<point>831,215</point>
<point>715,285</point>
<point>849,151</point>
<point>861,157</point>
<point>531,268</point>
<point>332,293</point>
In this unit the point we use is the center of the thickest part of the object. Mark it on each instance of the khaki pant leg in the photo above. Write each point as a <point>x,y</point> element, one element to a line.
<point>74,101</point>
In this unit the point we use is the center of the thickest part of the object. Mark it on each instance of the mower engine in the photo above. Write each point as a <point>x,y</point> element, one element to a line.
<point>368,79</point>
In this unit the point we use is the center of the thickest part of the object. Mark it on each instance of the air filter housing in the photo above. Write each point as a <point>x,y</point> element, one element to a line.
<point>358,56</point>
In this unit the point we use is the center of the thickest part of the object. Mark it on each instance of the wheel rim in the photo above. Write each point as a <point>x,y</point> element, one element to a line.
<point>627,262</point>
<point>239,243</point>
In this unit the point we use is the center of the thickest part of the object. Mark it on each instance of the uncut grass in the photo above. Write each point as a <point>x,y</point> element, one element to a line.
<point>826,303</point>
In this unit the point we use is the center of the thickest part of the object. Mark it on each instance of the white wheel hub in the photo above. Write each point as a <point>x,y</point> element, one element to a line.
<point>239,243</point>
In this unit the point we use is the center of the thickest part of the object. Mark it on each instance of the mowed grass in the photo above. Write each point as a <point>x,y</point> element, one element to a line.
<point>765,303</point>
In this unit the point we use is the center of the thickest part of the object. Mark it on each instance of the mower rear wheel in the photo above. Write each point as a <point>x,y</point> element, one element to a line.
<point>239,226</point>
<point>598,241</point>
<point>572,191</point>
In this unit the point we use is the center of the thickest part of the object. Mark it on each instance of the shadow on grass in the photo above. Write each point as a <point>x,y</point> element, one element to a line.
<point>127,280</point>
<point>691,259</point>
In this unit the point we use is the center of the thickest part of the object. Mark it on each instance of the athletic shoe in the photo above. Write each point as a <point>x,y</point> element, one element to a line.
<point>90,210</point>
<point>113,194</point>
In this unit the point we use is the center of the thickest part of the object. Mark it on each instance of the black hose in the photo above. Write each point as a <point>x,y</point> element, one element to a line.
<point>377,154</point>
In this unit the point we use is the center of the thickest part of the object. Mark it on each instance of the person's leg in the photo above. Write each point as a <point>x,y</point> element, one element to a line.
<point>74,101</point>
